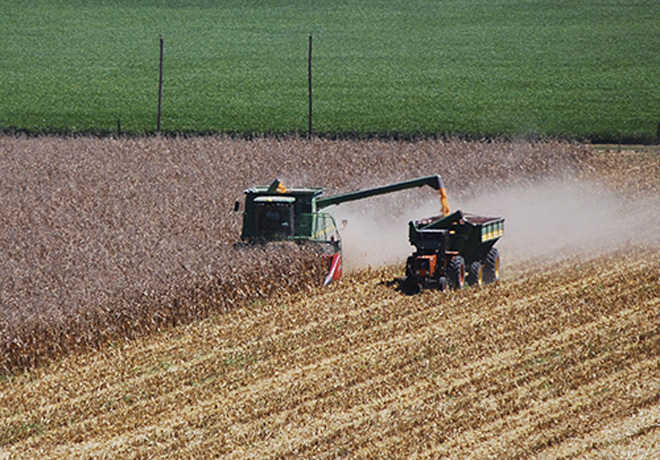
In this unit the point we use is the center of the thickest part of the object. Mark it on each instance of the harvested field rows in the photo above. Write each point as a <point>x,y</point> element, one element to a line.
<point>562,364</point>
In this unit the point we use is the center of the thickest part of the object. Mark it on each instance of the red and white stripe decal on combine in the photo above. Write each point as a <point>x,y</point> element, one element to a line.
<point>335,270</point>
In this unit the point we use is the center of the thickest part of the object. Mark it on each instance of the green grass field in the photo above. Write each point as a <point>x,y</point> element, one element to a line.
<point>518,67</point>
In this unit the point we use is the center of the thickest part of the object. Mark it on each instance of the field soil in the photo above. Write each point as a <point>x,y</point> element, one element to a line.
<point>560,359</point>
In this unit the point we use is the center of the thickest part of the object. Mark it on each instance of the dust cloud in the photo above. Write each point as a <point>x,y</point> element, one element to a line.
<point>376,233</point>
<point>556,220</point>
<point>545,222</point>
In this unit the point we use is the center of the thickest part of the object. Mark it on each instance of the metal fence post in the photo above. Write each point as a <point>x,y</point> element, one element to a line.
<point>309,81</point>
<point>160,86</point>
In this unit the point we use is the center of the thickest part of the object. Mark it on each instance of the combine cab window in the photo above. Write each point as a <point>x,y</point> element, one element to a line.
<point>275,218</point>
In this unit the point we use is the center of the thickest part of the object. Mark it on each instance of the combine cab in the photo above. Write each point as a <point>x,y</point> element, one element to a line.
<point>453,251</point>
<point>276,213</point>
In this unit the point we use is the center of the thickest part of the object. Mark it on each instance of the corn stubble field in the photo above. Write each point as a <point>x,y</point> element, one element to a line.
<point>132,328</point>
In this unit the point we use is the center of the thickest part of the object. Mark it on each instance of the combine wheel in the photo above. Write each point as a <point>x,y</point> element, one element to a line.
<point>456,272</point>
<point>492,266</point>
<point>475,276</point>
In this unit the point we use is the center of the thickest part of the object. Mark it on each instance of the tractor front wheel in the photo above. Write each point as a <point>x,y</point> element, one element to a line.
<point>442,284</point>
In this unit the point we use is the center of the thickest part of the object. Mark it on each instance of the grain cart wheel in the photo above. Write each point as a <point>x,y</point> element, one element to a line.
<point>456,272</point>
<point>475,276</point>
<point>492,266</point>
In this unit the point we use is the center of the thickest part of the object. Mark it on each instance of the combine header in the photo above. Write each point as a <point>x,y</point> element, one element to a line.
<point>276,213</point>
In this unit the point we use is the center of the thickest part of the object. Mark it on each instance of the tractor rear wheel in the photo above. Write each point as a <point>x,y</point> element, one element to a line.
<point>475,276</point>
<point>410,285</point>
<point>492,266</point>
<point>410,261</point>
<point>456,272</point>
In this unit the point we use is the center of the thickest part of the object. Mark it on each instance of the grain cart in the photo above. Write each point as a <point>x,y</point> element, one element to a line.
<point>453,250</point>
<point>277,213</point>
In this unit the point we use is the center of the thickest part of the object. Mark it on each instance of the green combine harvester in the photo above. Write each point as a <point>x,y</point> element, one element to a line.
<point>276,213</point>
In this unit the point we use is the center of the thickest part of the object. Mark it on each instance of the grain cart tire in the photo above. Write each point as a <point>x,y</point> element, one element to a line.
<point>492,266</point>
<point>456,272</point>
<point>475,275</point>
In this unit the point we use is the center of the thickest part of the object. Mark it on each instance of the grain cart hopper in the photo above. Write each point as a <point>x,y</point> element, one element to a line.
<point>454,249</point>
<point>277,213</point>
